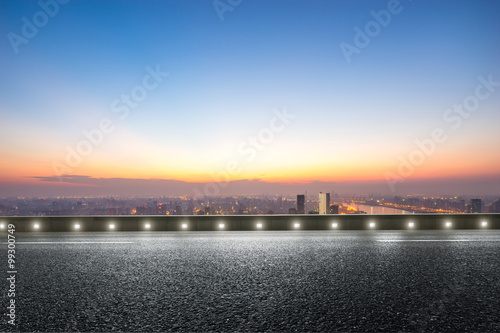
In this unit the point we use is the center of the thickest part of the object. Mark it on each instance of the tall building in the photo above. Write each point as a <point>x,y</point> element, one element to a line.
<point>334,209</point>
<point>324,203</point>
<point>301,201</point>
<point>476,205</point>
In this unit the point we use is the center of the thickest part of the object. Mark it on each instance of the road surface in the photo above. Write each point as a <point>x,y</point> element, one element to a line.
<point>403,281</point>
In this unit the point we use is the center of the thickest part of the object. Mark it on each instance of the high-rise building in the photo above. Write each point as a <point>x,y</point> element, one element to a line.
<point>334,209</point>
<point>324,203</point>
<point>476,205</point>
<point>301,201</point>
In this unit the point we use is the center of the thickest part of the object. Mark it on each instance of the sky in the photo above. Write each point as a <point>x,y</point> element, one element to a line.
<point>248,97</point>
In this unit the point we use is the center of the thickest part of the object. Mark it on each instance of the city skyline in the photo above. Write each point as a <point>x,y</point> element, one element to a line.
<point>179,98</point>
<point>246,205</point>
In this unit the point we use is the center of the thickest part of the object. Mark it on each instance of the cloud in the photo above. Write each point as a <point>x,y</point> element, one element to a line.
<point>73,179</point>
<point>87,185</point>
<point>81,185</point>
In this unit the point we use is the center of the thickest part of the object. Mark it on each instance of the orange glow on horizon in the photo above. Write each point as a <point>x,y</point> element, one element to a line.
<point>297,177</point>
<point>19,168</point>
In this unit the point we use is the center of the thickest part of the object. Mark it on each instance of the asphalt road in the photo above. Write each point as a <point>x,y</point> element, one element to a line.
<point>352,281</point>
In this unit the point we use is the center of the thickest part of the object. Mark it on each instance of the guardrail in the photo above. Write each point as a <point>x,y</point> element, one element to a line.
<point>251,222</point>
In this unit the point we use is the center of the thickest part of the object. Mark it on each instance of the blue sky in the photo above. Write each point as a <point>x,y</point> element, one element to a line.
<point>226,78</point>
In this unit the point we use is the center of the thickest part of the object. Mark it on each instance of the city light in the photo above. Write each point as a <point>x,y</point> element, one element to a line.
<point>111,226</point>
<point>184,226</point>
<point>36,226</point>
<point>335,225</point>
<point>372,225</point>
<point>147,226</point>
<point>76,226</point>
<point>484,224</point>
<point>259,225</point>
<point>221,226</point>
<point>448,224</point>
<point>411,225</point>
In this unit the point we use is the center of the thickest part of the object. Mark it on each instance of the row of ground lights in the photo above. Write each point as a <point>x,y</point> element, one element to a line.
<point>221,226</point>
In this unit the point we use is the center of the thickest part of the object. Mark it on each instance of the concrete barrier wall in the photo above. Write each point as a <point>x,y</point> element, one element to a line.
<point>251,222</point>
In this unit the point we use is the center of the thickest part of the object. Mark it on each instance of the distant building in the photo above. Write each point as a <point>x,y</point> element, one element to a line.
<point>292,211</point>
<point>141,210</point>
<point>476,205</point>
<point>301,201</point>
<point>495,207</point>
<point>334,209</point>
<point>324,203</point>
<point>178,210</point>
